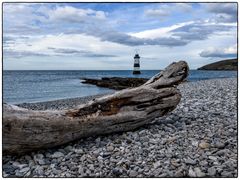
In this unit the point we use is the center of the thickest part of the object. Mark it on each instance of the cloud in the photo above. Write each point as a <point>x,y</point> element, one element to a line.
<point>83,53</point>
<point>68,14</point>
<point>182,33</point>
<point>37,18</point>
<point>164,10</point>
<point>224,12</point>
<point>157,12</point>
<point>54,45</point>
<point>220,52</point>
<point>72,20</point>
<point>129,40</point>
<point>226,8</point>
<point>200,30</point>
<point>9,53</point>
<point>159,32</point>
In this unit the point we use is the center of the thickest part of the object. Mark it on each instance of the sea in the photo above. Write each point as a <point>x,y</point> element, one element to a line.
<point>38,86</point>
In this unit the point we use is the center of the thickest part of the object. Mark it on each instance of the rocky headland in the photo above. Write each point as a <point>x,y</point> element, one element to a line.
<point>226,65</point>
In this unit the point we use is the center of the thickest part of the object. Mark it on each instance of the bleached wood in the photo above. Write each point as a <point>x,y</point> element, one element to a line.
<point>27,130</point>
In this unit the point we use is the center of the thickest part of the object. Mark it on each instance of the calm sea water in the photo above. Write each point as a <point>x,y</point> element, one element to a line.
<point>37,86</point>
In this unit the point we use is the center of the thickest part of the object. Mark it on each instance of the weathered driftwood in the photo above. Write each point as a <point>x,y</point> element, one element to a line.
<point>26,130</point>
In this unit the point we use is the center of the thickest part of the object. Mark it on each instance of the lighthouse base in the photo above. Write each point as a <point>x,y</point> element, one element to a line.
<point>136,72</point>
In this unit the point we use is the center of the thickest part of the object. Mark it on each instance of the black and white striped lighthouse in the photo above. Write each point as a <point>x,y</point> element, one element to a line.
<point>136,66</point>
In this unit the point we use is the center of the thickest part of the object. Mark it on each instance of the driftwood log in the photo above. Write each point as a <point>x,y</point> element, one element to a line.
<point>27,130</point>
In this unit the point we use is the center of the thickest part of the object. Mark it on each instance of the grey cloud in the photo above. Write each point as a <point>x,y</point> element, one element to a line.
<point>157,13</point>
<point>9,53</point>
<point>217,53</point>
<point>121,38</point>
<point>224,12</point>
<point>18,54</point>
<point>67,51</point>
<point>226,8</point>
<point>99,55</point>
<point>82,53</point>
<point>199,31</point>
<point>167,10</point>
<point>97,28</point>
<point>180,36</point>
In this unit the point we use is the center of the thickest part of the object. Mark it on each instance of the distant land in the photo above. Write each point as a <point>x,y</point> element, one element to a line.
<point>229,64</point>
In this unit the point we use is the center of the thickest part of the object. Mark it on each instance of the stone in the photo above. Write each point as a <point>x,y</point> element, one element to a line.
<point>221,152</point>
<point>39,158</point>
<point>19,174</point>
<point>24,170</point>
<point>198,172</point>
<point>156,164</point>
<point>57,155</point>
<point>226,174</point>
<point>133,173</point>
<point>179,173</point>
<point>9,169</point>
<point>80,169</point>
<point>28,158</point>
<point>219,145</point>
<point>68,148</point>
<point>204,145</point>
<point>110,148</point>
<point>191,173</point>
<point>203,163</point>
<point>105,155</point>
<point>212,171</point>
<point>214,158</point>
<point>78,151</point>
<point>117,172</point>
<point>190,161</point>
<point>18,165</point>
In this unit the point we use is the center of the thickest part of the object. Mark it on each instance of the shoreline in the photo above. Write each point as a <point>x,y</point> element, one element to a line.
<point>64,103</point>
<point>197,139</point>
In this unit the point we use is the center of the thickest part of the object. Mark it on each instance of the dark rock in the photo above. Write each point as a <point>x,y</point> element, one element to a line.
<point>9,169</point>
<point>117,83</point>
<point>117,172</point>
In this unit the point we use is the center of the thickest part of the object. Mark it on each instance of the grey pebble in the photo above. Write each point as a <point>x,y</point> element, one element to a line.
<point>190,161</point>
<point>133,173</point>
<point>57,155</point>
<point>212,171</point>
<point>198,172</point>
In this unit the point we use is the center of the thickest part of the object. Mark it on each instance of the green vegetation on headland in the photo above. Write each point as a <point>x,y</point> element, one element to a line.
<point>229,64</point>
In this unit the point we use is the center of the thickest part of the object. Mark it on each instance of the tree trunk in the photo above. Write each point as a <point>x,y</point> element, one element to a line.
<point>27,130</point>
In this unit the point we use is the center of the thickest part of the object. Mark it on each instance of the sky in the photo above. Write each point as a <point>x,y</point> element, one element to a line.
<point>105,36</point>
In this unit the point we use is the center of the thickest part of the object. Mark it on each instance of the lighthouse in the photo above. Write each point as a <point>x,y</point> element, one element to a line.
<point>136,66</point>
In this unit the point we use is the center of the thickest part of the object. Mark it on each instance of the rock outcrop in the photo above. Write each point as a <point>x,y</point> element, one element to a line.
<point>227,65</point>
<point>116,83</point>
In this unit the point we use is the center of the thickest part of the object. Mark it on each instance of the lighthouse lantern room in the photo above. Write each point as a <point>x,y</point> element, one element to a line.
<point>136,66</point>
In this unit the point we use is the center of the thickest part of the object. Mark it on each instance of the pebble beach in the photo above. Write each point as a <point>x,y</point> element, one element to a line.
<point>197,139</point>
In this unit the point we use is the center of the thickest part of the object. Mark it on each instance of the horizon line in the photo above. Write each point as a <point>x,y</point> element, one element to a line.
<point>81,69</point>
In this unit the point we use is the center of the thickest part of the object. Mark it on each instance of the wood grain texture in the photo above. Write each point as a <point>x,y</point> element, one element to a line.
<point>27,130</point>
